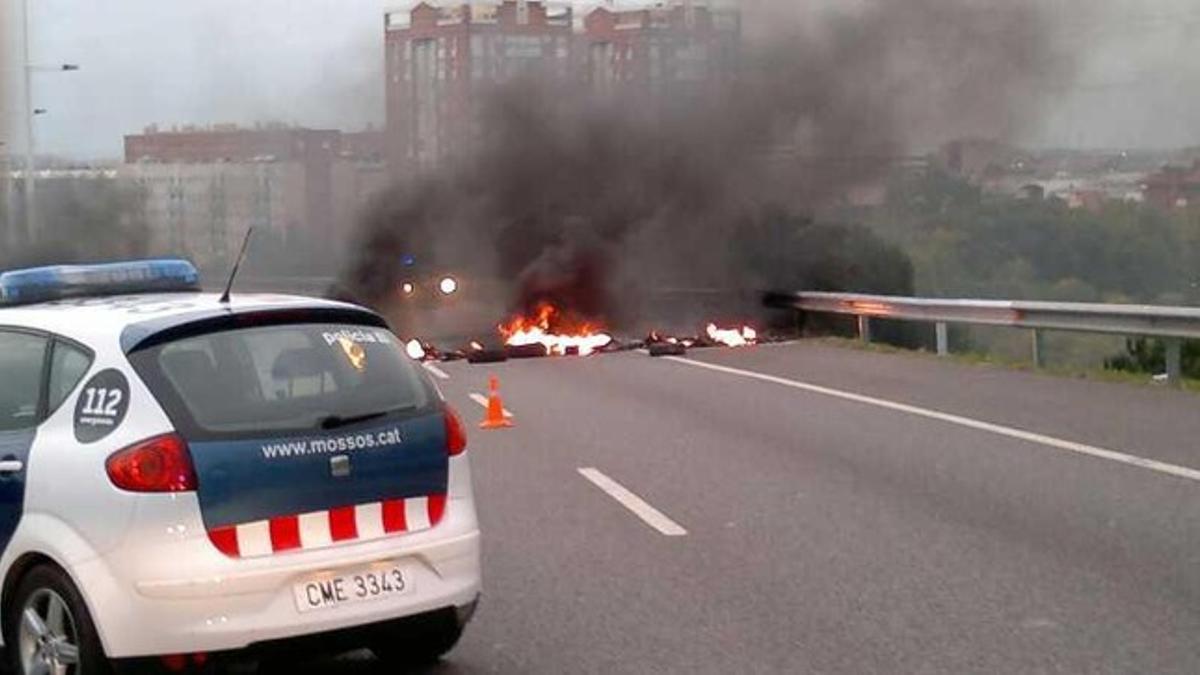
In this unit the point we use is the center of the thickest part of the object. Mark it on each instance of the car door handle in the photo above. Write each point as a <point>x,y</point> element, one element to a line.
<point>10,466</point>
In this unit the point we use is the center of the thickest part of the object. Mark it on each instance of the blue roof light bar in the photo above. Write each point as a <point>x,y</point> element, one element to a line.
<point>59,282</point>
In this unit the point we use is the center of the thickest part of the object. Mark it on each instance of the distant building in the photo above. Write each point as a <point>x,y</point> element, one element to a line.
<point>674,50</point>
<point>204,186</point>
<point>439,59</point>
<point>366,146</point>
<point>979,160</point>
<point>1031,192</point>
<point>202,210</point>
<point>1092,201</point>
<point>231,143</point>
<point>1174,187</point>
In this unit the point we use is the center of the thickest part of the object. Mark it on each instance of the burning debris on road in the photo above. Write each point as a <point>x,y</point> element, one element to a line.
<point>553,333</point>
<point>478,353</point>
<point>658,344</point>
<point>549,334</point>
<point>735,337</point>
<point>416,350</point>
<point>665,345</point>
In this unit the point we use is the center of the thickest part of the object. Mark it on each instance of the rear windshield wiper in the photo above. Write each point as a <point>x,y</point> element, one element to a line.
<point>339,421</point>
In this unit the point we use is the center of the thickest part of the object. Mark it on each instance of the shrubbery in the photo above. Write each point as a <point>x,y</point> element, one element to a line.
<point>964,243</point>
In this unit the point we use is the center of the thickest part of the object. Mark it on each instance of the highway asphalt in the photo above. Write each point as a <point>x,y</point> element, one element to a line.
<point>828,529</point>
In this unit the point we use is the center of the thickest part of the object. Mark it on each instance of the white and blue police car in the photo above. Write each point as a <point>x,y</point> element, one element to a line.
<point>187,478</point>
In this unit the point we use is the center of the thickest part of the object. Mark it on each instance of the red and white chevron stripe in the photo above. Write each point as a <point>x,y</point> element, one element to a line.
<point>322,529</point>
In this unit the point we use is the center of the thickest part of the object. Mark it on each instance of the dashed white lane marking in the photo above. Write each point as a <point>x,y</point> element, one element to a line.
<point>437,372</point>
<point>1011,432</point>
<point>650,515</point>
<point>483,401</point>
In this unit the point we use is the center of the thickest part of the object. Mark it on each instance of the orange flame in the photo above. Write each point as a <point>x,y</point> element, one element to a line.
<point>732,337</point>
<point>556,334</point>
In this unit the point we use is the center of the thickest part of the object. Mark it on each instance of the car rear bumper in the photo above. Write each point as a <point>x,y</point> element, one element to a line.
<point>293,650</point>
<point>232,612</point>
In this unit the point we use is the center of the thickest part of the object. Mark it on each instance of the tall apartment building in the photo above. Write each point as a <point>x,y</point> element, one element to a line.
<point>441,59</point>
<point>672,51</point>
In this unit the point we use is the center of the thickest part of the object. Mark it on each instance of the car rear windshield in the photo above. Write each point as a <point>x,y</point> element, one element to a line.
<point>273,379</point>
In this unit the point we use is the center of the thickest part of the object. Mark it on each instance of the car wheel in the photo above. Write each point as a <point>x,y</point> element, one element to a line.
<point>420,639</point>
<point>48,629</point>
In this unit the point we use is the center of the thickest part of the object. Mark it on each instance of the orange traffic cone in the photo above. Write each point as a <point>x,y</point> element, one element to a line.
<point>495,418</point>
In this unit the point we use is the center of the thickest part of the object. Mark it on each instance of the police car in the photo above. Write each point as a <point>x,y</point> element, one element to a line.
<point>187,478</point>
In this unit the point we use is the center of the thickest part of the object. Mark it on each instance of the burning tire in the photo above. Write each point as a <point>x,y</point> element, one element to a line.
<point>487,356</point>
<point>667,349</point>
<point>534,351</point>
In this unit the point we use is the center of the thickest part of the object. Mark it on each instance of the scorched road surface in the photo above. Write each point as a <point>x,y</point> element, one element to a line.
<point>810,522</point>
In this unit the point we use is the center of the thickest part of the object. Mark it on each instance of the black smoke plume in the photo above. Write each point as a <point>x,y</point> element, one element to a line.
<point>595,201</point>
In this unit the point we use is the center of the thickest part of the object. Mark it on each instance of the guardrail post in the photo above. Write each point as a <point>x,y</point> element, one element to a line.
<point>943,339</point>
<point>1157,322</point>
<point>1039,349</point>
<point>1174,361</point>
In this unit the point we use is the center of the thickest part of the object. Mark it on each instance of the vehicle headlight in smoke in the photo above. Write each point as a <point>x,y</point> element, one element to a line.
<point>415,350</point>
<point>408,288</point>
<point>448,286</point>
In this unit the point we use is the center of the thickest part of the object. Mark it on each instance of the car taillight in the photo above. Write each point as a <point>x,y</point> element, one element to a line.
<point>159,464</point>
<point>456,436</point>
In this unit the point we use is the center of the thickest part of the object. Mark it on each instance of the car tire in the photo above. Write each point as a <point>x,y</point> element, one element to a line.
<point>48,620</point>
<point>418,640</point>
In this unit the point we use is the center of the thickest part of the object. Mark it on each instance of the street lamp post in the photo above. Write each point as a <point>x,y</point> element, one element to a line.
<point>30,184</point>
<point>8,236</point>
<point>30,173</point>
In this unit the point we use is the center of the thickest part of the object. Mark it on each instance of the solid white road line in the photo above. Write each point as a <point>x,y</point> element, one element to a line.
<point>1011,432</point>
<point>650,515</point>
<point>437,372</point>
<point>483,401</point>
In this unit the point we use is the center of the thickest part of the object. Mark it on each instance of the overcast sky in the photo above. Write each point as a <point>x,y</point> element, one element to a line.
<point>319,62</point>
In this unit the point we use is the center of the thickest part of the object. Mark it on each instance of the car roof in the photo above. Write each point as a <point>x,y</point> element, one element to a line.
<point>95,320</point>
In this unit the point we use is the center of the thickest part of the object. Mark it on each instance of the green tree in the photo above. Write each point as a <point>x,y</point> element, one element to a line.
<point>787,251</point>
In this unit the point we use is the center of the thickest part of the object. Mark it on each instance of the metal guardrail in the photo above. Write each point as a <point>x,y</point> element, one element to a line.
<point>1172,324</point>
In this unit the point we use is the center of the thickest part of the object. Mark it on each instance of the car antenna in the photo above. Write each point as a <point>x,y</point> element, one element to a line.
<point>236,265</point>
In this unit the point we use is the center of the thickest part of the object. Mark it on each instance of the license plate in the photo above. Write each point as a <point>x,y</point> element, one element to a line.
<point>327,592</point>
